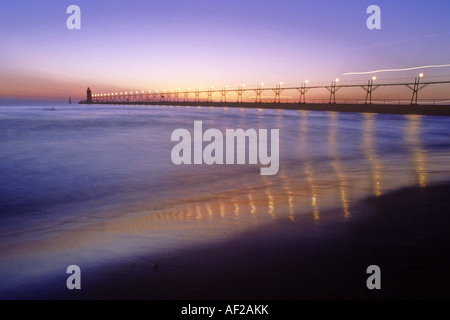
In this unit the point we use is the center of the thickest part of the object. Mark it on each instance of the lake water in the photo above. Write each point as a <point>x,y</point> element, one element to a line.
<point>92,185</point>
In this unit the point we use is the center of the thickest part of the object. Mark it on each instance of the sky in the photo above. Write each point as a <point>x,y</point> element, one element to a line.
<point>142,45</point>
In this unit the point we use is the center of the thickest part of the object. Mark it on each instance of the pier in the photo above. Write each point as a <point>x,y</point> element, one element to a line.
<point>205,97</point>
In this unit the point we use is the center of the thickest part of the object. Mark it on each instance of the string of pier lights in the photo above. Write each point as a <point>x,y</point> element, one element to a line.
<point>179,90</point>
<point>158,91</point>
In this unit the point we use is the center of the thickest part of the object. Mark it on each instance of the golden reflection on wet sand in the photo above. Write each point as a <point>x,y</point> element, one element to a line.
<point>371,153</point>
<point>413,134</point>
<point>307,165</point>
<point>336,163</point>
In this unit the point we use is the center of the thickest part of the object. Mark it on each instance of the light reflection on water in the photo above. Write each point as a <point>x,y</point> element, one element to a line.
<point>94,185</point>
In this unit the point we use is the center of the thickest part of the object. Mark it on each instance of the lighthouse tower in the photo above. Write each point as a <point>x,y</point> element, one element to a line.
<point>89,95</point>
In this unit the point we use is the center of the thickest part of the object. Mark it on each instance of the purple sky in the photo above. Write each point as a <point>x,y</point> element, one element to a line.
<point>170,44</point>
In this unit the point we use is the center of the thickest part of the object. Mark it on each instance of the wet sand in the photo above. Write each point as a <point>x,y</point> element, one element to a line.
<point>405,232</point>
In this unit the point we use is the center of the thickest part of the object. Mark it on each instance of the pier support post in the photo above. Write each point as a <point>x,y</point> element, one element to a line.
<point>197,96</point>
<point>223,98</point>
<point>240,91</point>
<point>416,88</point>
<point>210,92</point>
<point>258,92</point>
<point>278,92</point>
<point>303,90</point>
<point>333,89</point>
<point>370,88</point>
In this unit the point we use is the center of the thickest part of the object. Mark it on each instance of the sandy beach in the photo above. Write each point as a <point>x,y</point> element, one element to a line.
<point>404,232</point>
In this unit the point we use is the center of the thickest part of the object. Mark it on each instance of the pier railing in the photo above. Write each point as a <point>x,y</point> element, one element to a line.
<point>259,95</point>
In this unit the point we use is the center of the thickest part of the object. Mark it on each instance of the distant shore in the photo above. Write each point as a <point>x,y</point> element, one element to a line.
<point>432,110</point>
<point>404,232</point>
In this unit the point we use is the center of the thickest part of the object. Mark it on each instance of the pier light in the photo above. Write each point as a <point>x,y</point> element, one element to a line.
<point>200,88</point>
<point>262,84</point>
<point>306,81</point>
<point>226,86</point>
<point>337,80</point>
<point>142,91</point>
<point>421,75</point>
<point>189,89</point>
<point>243,84</point>
<point>171,90</point>
<point>126,92</point>
<point>156,90</point>
<point>164,90</point>
<point>149,91</point>
<point>137,92</point>
<point>179,89</point>
<point>374,78</point>
<point>281,83</point>
<point>121,93</point>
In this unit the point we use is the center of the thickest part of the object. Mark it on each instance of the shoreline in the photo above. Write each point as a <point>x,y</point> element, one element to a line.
<point>405,232</point>
<point>430,110</point>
